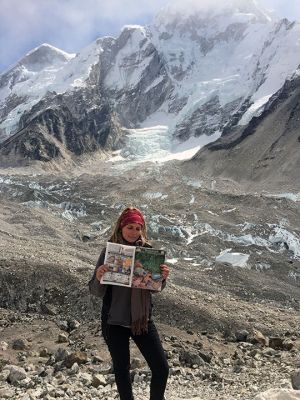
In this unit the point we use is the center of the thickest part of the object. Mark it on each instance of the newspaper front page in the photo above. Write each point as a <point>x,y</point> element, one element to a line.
<point>130,266</point>
<point>120,261</point>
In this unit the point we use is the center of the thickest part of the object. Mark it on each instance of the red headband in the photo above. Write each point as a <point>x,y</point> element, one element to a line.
<point>132,217</point>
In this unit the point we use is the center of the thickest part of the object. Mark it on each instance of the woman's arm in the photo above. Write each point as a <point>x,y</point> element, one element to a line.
<point>165,270</point>
<point>95,287</point>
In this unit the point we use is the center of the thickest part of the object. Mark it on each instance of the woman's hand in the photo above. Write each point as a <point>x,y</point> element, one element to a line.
<point>165,270</point>
<point>101,271</point>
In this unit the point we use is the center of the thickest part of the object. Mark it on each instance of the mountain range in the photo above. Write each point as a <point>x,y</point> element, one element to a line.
<point>197,74</point>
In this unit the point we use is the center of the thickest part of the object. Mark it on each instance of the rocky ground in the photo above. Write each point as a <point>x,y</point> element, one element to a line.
<point>230,331</point>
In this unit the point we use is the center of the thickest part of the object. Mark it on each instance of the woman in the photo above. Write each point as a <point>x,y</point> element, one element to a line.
<point>126,313</point>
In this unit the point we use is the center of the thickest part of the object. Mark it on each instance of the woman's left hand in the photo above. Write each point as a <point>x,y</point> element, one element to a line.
<point>165,270</point>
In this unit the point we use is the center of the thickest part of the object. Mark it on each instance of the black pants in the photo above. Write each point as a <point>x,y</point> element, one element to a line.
<point>149,344</point>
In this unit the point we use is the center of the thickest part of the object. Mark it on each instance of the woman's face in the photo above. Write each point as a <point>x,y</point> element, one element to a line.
<point>131,232</point>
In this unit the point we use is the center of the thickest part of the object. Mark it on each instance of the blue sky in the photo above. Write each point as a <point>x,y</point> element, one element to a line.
<point>72,24</point>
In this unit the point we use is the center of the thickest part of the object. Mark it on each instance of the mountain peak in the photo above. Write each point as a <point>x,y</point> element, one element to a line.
<point>45,54</point>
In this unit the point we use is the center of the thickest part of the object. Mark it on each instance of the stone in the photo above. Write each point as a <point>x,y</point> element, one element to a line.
<point>98,380</point>
<point>136,363</point>
<point>278,394</point>
<point>74,369</point>
<point>44,352</point>
<point>276,343</point>
<point>295,378</point>
<point>49,309</point>
<point>61,354</point>
<point>189,358</point>
<point>62,338</point>
<point>6,393</point>
<point>259,338</point>
<point>242,336</point>
<point>4,375</point>
<point>20,344</point>
<point>73,324</point>
<point>63,325</point>
<point>97,359</point>
<point>78,357</point>
<point>3,345</point>
<point>86,378</point>
<point>16,374</point>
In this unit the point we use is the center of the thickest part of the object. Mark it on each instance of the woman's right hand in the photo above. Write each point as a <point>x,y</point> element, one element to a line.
<point>101,271</point>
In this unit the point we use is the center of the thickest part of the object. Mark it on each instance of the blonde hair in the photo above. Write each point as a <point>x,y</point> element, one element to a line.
<point>116,236</point>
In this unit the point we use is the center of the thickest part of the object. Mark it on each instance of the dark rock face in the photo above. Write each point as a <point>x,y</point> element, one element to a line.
<point>58,125</point>
<point>137,101</point>
<point>206,120</point>
<point>291,89</point>
<point>89,118</point>
<point>267,149</point>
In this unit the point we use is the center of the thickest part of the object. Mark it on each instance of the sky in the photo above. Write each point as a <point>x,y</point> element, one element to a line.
<point>73,24</point>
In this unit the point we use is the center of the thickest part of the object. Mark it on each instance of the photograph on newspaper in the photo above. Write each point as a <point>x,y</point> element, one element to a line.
<point>147,273</point>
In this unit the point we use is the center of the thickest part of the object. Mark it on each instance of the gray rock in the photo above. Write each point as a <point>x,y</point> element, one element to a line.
<point>73,324</point>
<point>78,357</point>
<point>4,375</point>
<point>62,338</point>
<point>63,325</point>
<point>48,309</point>
<point>3,345</point>
<point>6,393</point>
<point>44,352</point>
<point>276,343</point>
<point>61,354</point>
<point>296,380</point>
<point>20,344</point>
<point>16,375</point>
<point>136,363</point>
<point>86,378</point>
<point>190,358</point>
<point>98,380</point>
<point>242,336</point>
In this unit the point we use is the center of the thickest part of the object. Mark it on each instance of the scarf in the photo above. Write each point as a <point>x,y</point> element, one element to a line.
<point>140,301</point>
<point>140,308</point>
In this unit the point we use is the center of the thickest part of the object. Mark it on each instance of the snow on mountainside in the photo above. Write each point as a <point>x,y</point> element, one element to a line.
<point>266,151</point>
<point>226,59</point>
<point>44,69</point>
<point>200,69</point>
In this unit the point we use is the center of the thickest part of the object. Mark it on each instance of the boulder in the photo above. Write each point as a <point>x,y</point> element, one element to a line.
<point>278,394</point>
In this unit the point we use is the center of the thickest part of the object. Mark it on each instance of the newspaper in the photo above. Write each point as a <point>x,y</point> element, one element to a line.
<point>146,272</point>
<point>130,266</point>
<point>120,261</point>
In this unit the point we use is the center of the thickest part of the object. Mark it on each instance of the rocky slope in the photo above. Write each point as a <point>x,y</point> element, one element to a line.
<point>229,317</point>
<point>266,151</point>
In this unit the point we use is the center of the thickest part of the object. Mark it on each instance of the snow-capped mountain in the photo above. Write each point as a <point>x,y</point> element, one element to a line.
<point>196,72</point>
<point>27,82</point>
<point>265,153</point>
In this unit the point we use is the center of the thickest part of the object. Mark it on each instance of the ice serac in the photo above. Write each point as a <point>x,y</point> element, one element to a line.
<point>205,70</point>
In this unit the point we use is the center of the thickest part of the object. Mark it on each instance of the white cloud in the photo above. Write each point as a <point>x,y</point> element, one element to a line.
<point>73,24</point>
<point>67,24</point>
<point>284,8</point>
